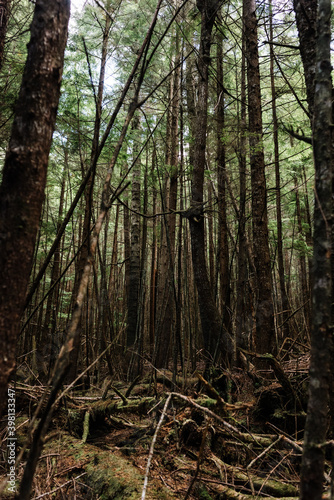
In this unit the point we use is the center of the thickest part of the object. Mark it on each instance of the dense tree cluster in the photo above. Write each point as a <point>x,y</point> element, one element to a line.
<point>183,213</point>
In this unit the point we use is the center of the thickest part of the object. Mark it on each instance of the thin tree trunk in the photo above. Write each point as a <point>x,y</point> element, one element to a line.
<point>224,267</point>
<point>281,274</point>
<point>135,257</point>
<point>126,232</point>
<point>4,16</point>
<point>265,329</point>
<point>243,325</point>
<point>166,287</point>
<point>24,174</point>
<point>46,336</point>
<point>302,262</point>
<point>85,242</point>
<point>153,262</point>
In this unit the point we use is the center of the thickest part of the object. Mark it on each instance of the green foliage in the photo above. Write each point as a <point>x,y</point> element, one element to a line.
<point>14,61</point>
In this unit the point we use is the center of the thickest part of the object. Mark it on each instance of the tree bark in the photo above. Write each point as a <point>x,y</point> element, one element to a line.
<point>223,250</point>
<point>135,236</point>
<point>304,297</point>
<point>24,175</point>
<point>265,329</point>
<point>85,238</point>
<point>306,20</point>
<point>214,335</point>
<point>312,473</point>
<point>166,284</point>
<point>280,260</point>
<point>243,314</point>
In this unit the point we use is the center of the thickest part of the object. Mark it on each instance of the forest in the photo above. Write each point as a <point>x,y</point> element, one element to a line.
<point>166,262</point>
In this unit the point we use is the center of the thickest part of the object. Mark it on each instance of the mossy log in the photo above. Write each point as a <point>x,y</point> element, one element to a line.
<point>110,476</point>
<point>99,410</point>
<point>265,485</point>
<point>110,406</point>
<point>226,493</point>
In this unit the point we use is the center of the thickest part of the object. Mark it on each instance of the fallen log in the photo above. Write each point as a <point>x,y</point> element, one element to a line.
<point>265,485</point>
<point>108,474</point>
<point>227,493</point>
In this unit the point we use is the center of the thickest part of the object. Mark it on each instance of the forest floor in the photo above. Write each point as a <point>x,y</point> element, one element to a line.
<point>236,437</point>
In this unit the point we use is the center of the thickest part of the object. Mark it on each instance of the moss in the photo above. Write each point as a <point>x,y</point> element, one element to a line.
<point>111,476</point>
<point>108,484</point>
<point>203,494</point>
<point>207,403</point>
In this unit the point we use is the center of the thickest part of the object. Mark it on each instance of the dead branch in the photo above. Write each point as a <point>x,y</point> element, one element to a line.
<point>243,436</point>
<point>269,486</point>
<point>59,487</point>
<point>281,376</point>
<point>150,455</point>
<point>264,452</point>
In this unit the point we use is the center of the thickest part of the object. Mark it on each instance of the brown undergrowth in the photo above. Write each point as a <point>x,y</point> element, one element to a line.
<point>238,436</point>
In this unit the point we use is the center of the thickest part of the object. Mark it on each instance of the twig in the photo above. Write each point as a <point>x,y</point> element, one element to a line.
<point>82,374</point>
<point>104,10</point>
<point>264,452</point>
<point>286,438</point>
<point>59,487</point>
<point>150,455</point>
<point>286,45</point>
<point>271,472</point>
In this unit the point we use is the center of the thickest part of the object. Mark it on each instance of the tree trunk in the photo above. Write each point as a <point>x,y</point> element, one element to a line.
<point>24,175</point>
<point>304,297</point>
<point>85,241</point>
<point>4,16</point>
<point>135,237</point>
<point>47,336</point>
<point>265,329</point>
<point>153,278</point>
<point>243,313</point>
<point>312,473</point>
<point>214,335</point>
<point>223,250</point>
<point>166,286</point>
<point>281,274</point>
<point>306,20</point>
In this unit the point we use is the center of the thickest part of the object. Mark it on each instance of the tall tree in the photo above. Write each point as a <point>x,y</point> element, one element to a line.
<point>242,325</point>
<point>166,283</point>
<point>280,259</point>
<point>135,240</point>
<point>223,250</point>
<point>24,174</point>
<point>312,474</point>
<point>88,193</point>
<point>213,331</point>
<point>265,328</point>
